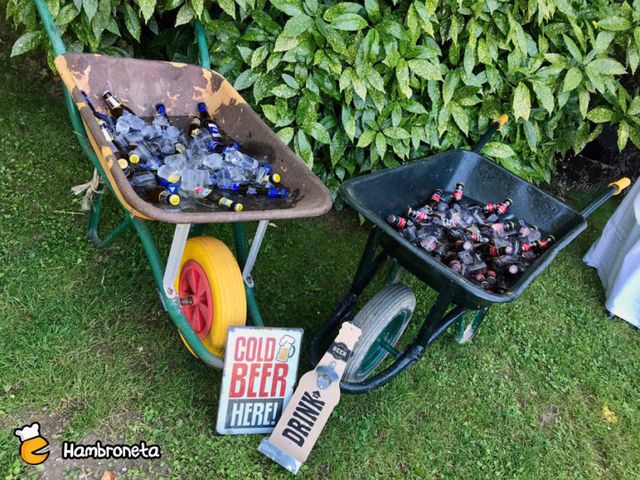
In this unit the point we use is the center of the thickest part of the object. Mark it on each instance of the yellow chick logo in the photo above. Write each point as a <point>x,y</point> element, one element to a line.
<point>31,444</point>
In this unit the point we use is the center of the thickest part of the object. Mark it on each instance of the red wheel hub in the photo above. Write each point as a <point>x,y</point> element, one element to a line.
<point>195,298</point>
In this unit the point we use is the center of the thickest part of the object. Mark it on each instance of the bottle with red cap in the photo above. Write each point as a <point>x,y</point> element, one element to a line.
<point>538,246</point>
<point>500,208</point>
<point>456,196</point>
<point>399,223</point>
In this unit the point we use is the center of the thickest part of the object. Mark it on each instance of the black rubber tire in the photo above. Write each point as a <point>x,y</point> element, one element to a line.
<point>372,319</point>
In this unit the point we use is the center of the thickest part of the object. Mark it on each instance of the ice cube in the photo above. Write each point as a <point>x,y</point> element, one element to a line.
<point>177,161</point>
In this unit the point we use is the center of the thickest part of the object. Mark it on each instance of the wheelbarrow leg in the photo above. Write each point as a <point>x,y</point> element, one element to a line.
<point>94,222</point>
<point>369,265</point>
<point>242,253</point>
<point>394,274</point>
<point>465,333</point>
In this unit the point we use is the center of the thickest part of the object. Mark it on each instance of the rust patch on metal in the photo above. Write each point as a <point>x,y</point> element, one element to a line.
<point>143,83</point>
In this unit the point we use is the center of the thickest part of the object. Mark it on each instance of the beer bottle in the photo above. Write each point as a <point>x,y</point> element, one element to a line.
<point>115,106</point>
<point>418,216</point>
<point>95,112</point>
<point>259,191</point>
<point>194,127</point>
<point>208,123</point>
<point>161,195</point>
<point>434,199</point>
<point>538,245</point>
<point>399,223</point>
<point>457,193</point>
<point>126,168</point>
<point>482,280</point>
<point>223,201</point>
<point>500,228</point>
<point>500,208</point>
<point>455,265</point>
<point>494,251</point>
<point>491,277</point>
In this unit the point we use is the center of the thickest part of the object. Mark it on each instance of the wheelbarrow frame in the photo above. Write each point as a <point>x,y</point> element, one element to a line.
<point>164,276</point>
<point>440,317</point>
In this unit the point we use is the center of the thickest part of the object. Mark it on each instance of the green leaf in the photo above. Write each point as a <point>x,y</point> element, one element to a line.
<point>573,48</point>
<point>284,43</point>
<point>289,80</point>
<point>603,40</point>
<point>131,21</point>
<point>340,9</point>
<point>25,43</point>
<point>373,10</point>
<point>349,22</point>
<point>318,131</point>
<point>297,25</point>
<point>283,91</point>
<point>450,84</point>
<point>375,80</point>
<point>623,135</point>
<point>348,122</point>
<point>337,147</point>
<point>402,74</point>
<point>360,88</point>
<point>460,116</point>
<point>397,133</point>
<point>185,15</point>
<point>583,102</point>
<point>544,94</point>
<point>608,66</point>
<point>600,115</point>
<point>304,148</point>
<point>68,13</point>
<point>521,102</point>
<point>197,6</point>
<point>381,144</point>
<point>634,106</point>
<point>259,55</point>
<point>91,7</point>
<point>469,59</point>
<point>245,80</point>
<point>286,134</point>
<point>572,79</point>
<point>615,24</point>
<point>366,138</point>
<point>425,69</point>
<point>290,7</point>
<point>228,7</point>
<point>531,135</point>
<point>498,150</point>
<point>146,6</point>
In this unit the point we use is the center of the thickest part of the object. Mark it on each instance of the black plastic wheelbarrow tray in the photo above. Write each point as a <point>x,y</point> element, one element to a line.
<point>380,194</point>
<point>202,286</point>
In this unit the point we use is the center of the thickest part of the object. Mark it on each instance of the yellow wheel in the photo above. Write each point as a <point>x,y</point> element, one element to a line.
<point>211,291</point>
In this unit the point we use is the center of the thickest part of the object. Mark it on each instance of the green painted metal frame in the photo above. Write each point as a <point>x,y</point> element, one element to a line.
<point>141,228</point>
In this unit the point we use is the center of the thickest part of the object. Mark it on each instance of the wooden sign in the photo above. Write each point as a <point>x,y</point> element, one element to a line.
<point>315,398</point>
<point>260,368</point>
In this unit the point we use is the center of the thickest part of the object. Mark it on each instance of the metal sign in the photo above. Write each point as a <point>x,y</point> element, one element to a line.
<point>260,368</point>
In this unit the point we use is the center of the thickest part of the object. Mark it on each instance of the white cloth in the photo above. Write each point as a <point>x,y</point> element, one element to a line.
<point>616,256</point>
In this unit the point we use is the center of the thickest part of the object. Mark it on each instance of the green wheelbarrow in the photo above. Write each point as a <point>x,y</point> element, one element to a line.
<point>201,285</point>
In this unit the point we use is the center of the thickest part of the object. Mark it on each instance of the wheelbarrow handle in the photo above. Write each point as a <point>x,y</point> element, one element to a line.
<point>493,128</point>
<point>614,188</point>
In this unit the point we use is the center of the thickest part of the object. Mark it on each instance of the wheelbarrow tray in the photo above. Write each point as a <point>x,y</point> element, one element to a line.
<point>140,84</point>
<point>380,194</point>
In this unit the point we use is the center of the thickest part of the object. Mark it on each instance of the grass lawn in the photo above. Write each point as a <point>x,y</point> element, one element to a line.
<point>86,349</point>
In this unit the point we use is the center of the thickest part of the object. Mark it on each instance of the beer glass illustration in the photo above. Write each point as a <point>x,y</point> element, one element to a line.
<point>287,350</point>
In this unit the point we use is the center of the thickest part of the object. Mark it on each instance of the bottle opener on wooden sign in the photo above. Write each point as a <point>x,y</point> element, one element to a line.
<point>313,401</point>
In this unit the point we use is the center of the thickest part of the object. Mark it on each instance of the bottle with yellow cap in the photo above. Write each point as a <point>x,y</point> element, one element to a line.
<point>223,201</point>
<point>126,168</point>
<point>162,196</point>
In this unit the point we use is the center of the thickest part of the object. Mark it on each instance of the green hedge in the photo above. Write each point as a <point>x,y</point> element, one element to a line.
<point>355,87</point>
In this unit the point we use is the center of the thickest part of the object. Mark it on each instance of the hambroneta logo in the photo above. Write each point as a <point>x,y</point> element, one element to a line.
<point>33,445</point>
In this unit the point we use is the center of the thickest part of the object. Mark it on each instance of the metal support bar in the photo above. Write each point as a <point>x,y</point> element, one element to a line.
<point>388,347</point>
<point>253,252</point>
<point>178,243</point>
<point>172,305</point>
<point>408,356</point>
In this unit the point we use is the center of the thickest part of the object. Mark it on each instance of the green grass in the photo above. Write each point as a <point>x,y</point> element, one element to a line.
<point>85,346</point>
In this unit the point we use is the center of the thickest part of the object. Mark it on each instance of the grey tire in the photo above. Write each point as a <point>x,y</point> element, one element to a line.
<point>391,307</point>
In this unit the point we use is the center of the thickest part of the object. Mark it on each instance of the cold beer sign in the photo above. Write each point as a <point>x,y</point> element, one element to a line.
<point>260,367</point>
